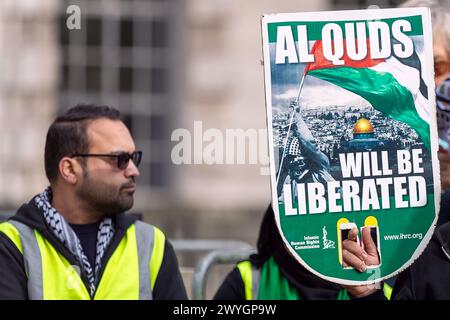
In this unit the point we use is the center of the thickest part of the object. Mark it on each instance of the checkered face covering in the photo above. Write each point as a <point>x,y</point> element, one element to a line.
<point>294,147</point>
<point>62,230</point>
<point>443,110</point>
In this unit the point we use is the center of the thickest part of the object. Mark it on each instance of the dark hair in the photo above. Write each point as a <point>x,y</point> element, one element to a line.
<point>67,134</point>
<point>267,239</point>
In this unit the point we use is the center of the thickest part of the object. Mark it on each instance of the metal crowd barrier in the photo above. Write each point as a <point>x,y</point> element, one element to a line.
<point>202,268</point>
<point>219,252</point>
<point>4,217</point>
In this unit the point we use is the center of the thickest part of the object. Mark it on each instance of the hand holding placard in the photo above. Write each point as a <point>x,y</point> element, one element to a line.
<point>355,256</point>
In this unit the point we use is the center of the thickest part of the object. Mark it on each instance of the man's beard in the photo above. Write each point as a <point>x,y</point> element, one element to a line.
<point>106,199</point>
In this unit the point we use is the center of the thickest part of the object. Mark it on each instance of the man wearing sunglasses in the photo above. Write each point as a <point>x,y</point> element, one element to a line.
<point>73,241</point>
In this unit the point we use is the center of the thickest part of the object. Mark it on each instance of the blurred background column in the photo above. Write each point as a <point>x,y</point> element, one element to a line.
<point>28,94</point>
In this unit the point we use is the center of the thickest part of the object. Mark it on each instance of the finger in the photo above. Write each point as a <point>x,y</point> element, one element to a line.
<point>369,244</point>
<point>349,259</point>
<point>354,249</point>
<point>353,234</point>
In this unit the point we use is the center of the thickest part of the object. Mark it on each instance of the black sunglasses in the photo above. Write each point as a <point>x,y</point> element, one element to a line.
<point>123,158</point>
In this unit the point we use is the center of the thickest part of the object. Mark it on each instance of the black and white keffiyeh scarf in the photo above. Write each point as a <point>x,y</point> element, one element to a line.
<point>62,230</point>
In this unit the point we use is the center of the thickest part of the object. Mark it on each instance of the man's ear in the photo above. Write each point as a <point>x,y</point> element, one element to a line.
<point>70,170</point>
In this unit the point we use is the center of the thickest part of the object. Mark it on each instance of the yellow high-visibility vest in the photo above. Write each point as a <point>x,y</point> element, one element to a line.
<point>250,277</point>
<point>130,272</point>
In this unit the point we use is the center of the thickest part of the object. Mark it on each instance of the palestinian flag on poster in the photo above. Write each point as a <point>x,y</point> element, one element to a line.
<point>392,86</point>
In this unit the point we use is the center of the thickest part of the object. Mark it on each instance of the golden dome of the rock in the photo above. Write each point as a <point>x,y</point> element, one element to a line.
<point>363,126</point>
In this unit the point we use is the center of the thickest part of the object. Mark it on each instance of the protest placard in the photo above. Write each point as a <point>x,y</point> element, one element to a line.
<point>352,135</point>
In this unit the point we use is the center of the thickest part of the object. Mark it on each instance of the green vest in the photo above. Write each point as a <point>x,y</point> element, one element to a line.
<point>268,283</point>
<point>130,273</point>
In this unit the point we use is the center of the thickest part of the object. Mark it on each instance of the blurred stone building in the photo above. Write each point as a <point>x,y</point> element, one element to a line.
<point>165,64</point>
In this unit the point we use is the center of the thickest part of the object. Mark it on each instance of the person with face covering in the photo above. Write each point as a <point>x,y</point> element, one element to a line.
<point>274,274</point>
<point>428,278</point>
<point>440,19</point>
<point>73,240</point>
